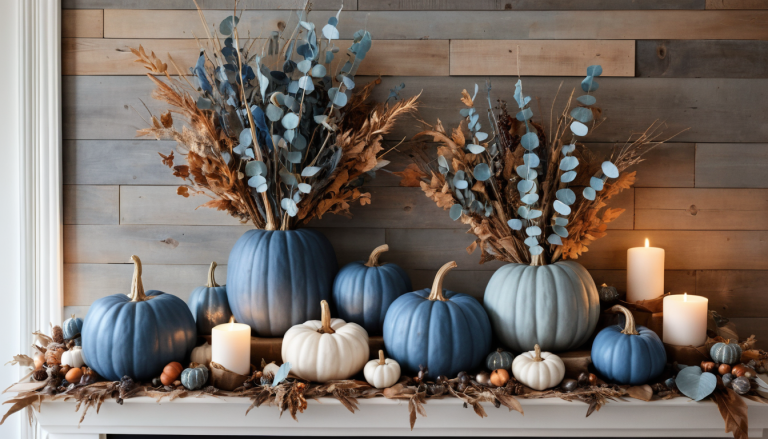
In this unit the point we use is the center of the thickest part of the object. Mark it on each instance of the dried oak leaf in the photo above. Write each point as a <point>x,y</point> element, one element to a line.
<point>466,98</point>
<point>167,159</point>
<point>733,410</point>
<point>411,176</point>
<point>183,191</point>
<point>181,171</point>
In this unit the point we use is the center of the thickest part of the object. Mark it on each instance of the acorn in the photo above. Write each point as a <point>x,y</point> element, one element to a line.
<point>584,379</point>
<point>40,374</point>
<point>569,385</point>
<point>724,369</point>
<point>464,378</point>
<point>708,366</point>
<point>741,370</point>
<point>442,379</point>
<point>592,379</point>
<point>483,378</point>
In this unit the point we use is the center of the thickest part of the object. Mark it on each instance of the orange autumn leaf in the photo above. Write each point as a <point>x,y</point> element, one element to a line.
<point>611,214</point>
<point>167,159</point>
<point>167,119</point>
<point>466,98</point>
<point>411,176</point>
<point>183,191</point>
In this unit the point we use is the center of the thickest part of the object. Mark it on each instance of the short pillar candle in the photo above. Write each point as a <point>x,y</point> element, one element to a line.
<point>645,273</point>
<point>231,347</point>
<point>685,320</point>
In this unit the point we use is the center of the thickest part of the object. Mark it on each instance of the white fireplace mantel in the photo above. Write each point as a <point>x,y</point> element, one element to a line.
<point>678,417</point>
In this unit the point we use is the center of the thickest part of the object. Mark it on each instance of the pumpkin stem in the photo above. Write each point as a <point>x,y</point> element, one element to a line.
<point>325,318</point>
<point>537,353</point>
<point>373,260</point>
<point>211,279</point>
<point>382,360</point>
<point>72,316</point>
<point>137,288</point>
<point>629,325</point>
<point>537,260</point>
<point>437,285</point>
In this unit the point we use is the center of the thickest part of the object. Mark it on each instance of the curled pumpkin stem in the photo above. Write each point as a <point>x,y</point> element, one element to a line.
<point>211,279</point>
<point>137,288</point>
<point>373,260</point>
<point>437,286</point>
<point>629,325</point>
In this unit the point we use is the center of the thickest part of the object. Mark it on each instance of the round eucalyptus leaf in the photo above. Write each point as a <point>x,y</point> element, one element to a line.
<point>289,206</point>
<point>560,221</point>
<point>288,135</point>
<point>292,156</point>
<point>246,138</point>
<point>290,121</point>
<point>228,25</point>
<point>255,167</point>
<point>531,160</point>
<point>524,186</point>
<point>526,172</point>
<point>536,250</point>
<point>568,177</point>
<point>596,183</point>
<point>566,195</point>
<point>299,141</point>
<point>304,66</point>
<point>455,212</point>
<point>589,84</point>
<point>482,172</point>
<point>475,149</point>
<point>589,193</point>
<point>531,241</point>
<point>461,184</point>
<point>587,99</point>
<point>441,160</point>
<point>318,71</point>
<point>554,240</point>
<point>533,231</point>
<point>561,231</point>
<point>582,114</point>
<point>480,136</point>
<point>579,129</point>
<point>304,188</point>
<point>561,208</point>
<point>274,113</point>
<point>263,188</point>
<point>348,82</point>
<point>310,171</point>
<point>305,82</point>
<point>330,32</point>
<point>567,149</point>
<point>524,115</point>
<point>610,169</point>
<point>595,70</point>
<point>337,98</point>
<point>256,181</point>
<point>515,224</point>
<point>530,198</point>
<point>568,163</point>
<point>529,141</point>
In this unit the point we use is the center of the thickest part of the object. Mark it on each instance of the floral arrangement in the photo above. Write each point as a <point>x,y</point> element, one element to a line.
<point>517,187</point>
<point>273,136</point>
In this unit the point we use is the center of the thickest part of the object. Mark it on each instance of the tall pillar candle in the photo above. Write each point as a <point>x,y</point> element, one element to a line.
<point>685,320</point>
<point>231,347</point>
<point>645,273</point>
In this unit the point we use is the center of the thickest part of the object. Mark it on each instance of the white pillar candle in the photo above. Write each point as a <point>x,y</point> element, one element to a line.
<point>231,347</point>
<point>685,320</point>
<point>645,273</point>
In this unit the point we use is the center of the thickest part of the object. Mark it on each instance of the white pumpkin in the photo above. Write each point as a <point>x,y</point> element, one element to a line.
<point>202,355</point>
<point>326,349</point>
<point>73,357</point>
<point>538,370</point>
<point>382,373</point>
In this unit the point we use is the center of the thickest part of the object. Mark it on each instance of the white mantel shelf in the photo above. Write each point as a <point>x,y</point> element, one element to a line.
<point>553,417</point>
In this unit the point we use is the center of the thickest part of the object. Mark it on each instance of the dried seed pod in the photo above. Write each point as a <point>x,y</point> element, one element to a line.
<point>708,366</point>
<point>584,379</point>
<point>461,387</point>
<point>442,379</point>
<point>483,378</point>
<point>423,372</point>
<point>670,384</point>
<point>569,385</point>
<point>57,334</point>
<point>89,375</point>
<point>592,379</point>
<point>39,360</point>
<point>53,354</point>
<point>464,378</point>
<point>40,374</point>
<point>724,369</point>
<point>54,371</point>
<point>63,370</point>
<point>741,385</point>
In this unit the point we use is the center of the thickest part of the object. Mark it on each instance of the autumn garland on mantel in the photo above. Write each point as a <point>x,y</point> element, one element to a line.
<point>272,135</point>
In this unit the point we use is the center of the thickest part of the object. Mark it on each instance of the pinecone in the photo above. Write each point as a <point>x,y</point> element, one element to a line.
<point>57,334</point>
<point>40,374</point>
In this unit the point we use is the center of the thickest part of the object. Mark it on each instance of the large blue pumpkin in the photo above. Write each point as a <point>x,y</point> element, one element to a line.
<point>446,332</point>
<point>277,279</point>
<point>363,291</point>
<point>209,304</point>
<point>628,355</point>
<point>137,335</point>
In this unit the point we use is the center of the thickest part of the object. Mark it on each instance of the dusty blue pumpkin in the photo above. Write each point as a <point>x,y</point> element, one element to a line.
<point>277,279</point>
<point>137,335</point>
<point>194,378</point>
<point>72,327</point>
<point>628,355</point>
<point>363,291</point>
<point>445,331</point>
<point>209,304</point>
<point>728,353</point>
<point>499,359</point>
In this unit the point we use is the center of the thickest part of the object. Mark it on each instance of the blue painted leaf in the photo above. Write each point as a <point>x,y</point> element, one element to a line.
<point>289,205</point>
<point>596,183</point>
<point>228,25</point>
<point>536,250</point>
<point>530,198</point>
<point>587,99</point>
<point>290,121</point>
<point>695,384</point>
<point>246,138</point>
<point>569,163</point>
<point>589,84</point>
<point>255,167</point>
<point>464,112</point>
<point>480,136</point>
<point>519,94</point>
<point>533,231</point>
<point>256,181</point>
<point>333,21</point>
<point>274,113</point>
<point>560,221</point>
<point>566,195</point>
<point>461,184</point>
<point>455,212</point>
<point>567,149</point>
<point>568,177</point>
<point>554,240</point>
<point>310,171</point>
<point>531,241</point>
<point>304,66</point>
<point>292,156</point>
<point>561,231</point>
<point>287,178</point>
<point>299,142</point>
<point>515,224</point>
<point>589,193</point>
<point>204,103</point>
<point>306,83</point>
<point>531,160</point>
<point>304,188</point>
<point>524,186</point>
<point>475,149</point>
<point>526,172</point>
<point>561,208</point>
<point>524,115</point>
<point>579,129</point>
<point>482,172</point>
<point>318,71</point>
<point>595,70</point>
<point>330,32</point>
<point>582,114</point>
<point>338,99</point>
<point>529,141</point>
<point>609,169</point>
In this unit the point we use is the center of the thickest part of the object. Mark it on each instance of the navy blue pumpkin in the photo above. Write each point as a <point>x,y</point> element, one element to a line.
<point>363,291</point>
<point>276,279</point>
<point>444,331</point>
<point>137,335</point>
<point>209,304</point>
<point>628,355</point>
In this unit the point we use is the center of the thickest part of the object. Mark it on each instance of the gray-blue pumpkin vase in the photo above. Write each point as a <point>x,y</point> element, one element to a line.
<point>277,278</point>
<point>630,354</point>
<point>137,334</point>
<point>444,331</point>
<point>363,291</point>
<point>555,306</point>
<point>209,304</point>
<point>72,327</point>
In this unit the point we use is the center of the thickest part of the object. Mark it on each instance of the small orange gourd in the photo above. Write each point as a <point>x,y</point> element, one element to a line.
<point>724,369</point>
<point>171,372</point>
<point>708,366</point>
<point>741,370</point>
<point>499,377</point>
<point>73,375</point>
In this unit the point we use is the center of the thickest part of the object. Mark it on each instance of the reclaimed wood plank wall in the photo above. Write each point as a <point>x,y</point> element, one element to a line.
<point>697,64</point>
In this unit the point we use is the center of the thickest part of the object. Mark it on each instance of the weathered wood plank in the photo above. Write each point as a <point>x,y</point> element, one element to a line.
<point>84,23</point>
<point>525,5</point>
<point>541,57</point>
<point>102,56</point>
<point>702,59</point>
<point>731,165</point>
<point>84,283</point>
<point>701,209</point>
<point>443,25</point>
<point>753,326</point>
<point>667,165</point>
<point>153,205</point>
<point>117,162</point>
<point>737,293</point>
<point>317,5</point>
<point>188,245</point>
<point>736,4</point>
<point>86,204</point>
<point>100,107</point>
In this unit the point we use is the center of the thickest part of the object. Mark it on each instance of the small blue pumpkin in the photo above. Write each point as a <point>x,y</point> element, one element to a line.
<point>727,353</point>
<point>363,291</point>
<point>444,331</point>
<point>628,355</point>
<point>277,278</point>
<point>72,327</point>
<point>499,359</point>
<point>137,335</point>
<point>209,304</point>
<point>194,378</point>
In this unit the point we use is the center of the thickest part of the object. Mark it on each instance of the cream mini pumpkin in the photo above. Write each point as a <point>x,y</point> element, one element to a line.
<point>202,354</point>
<point>73,357</point>
<point>538,370</point>
<point>326,349</point>
<point>382,373</point>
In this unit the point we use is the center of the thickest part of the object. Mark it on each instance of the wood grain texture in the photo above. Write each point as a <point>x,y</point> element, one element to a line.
<point>667,165</point>
<point>525,5</point>
<point>188,245</point>
<point>154,205</point>
<point>702,59</point>
<point>117,162</point>
<point>84,23</point>
<point>443,25</point>
<point>541,57</point>
<point>103,56</point>
<point>732,165</point>
<point>91,204</point>
<point>736,4</point>
<point>701,209</point>
<point>100,107</point>
<point>753,326</point>
<point>332,5</point>
<point>734,293</point>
